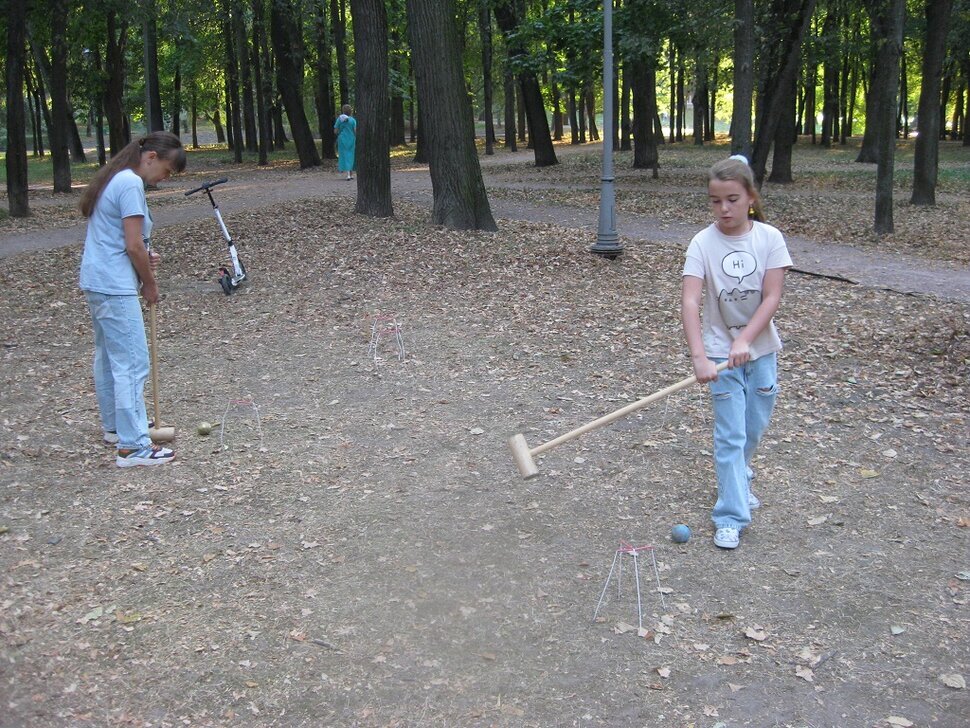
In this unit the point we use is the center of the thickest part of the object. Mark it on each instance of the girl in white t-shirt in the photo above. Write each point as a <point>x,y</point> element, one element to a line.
<point>735,268</point>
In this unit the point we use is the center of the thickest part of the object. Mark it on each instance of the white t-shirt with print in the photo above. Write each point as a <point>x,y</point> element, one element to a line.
<point>105,265</point>
<point>733,269</point>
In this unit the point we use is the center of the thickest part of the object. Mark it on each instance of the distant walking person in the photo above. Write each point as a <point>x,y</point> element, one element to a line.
<point>115,267</point>
<point>346,128</point>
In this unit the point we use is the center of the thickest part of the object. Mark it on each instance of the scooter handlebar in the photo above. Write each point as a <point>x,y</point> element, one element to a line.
<point>207,186</point>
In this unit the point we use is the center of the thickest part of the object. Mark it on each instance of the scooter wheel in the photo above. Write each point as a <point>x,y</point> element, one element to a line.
<point>225,280</point>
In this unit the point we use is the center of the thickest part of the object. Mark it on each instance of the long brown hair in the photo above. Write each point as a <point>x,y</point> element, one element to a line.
<point>736,169</point>
<point>165,144</point>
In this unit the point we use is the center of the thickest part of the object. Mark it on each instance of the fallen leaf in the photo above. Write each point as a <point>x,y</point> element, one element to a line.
<point>867,473</point>
<point>623,628</point>
<point>664,672</point>
<point>476,431</point>
<point>710,710</point>
<point>95,613</point>
<point>954,680</point>
<point>805,673</point>
<point>818,520</point>
<point>755,633</point>
<point>899,721</point>
<point>727,660</point>
<point>896,629</point>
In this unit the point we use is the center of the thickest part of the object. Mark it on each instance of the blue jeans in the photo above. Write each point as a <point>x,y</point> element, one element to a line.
<point>743,400</point>
<point>120,367</point>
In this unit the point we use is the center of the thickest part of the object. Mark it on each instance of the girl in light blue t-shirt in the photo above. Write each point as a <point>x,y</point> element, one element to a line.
<point>115,267</point>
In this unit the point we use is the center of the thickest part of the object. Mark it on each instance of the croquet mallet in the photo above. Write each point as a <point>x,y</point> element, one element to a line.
<point>157,433</point>
<point>523,455</point>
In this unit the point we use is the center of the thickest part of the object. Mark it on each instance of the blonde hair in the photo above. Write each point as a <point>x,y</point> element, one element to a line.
<point>165,144</point>
<point>736,169</point>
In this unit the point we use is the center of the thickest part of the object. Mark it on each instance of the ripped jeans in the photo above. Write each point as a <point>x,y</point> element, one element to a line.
<point>743,399</point>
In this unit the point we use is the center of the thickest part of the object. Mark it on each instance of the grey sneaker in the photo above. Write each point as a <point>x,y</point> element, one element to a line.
<point>151,455</point>
<point>727,538</point>
<point>111,437</point>
<point>753,501</point>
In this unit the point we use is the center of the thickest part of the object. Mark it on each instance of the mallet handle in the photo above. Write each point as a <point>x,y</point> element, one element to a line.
<point>622,412</point>
<point>154,360</point>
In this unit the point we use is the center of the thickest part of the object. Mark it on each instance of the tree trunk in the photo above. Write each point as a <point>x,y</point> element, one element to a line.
<point>33,109</point>
<point>264,85</point>
<point>594,135</point>
<point>288,46</point>
<point>830,79</point>
<point>114,93</point>
<point>194,113</point>
<point>397,98</point>
<point>785,135</point>
<point>681,99</point>
<point>509,91</point>
<point>460,202</point>
<point>644,87</point>
<point>177,101</point>
<point>154,120</point>
<point>926,160</point>
<point>233,114</point>
<point>485,32</point>
<point>699,100</point>
<point>782,54</point>
<point>248,108</point>
<point>338,20</point>
<point>625,128</point>
<point>373,109</point>
<point>59,132</point>
<point>672,69</point>
<point>324,83</point>
<point>887,17</point>
<point>539,136</point>
<point>16,155</point>
<point>217,123</point>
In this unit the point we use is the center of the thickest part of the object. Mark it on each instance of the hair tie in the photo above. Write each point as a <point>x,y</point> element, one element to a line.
<point>740,158</point>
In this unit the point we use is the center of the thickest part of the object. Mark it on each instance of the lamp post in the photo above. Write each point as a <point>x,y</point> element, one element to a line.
<point>607,241</point>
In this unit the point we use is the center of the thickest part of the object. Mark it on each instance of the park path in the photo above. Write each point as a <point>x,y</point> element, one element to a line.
<point>877,269</point>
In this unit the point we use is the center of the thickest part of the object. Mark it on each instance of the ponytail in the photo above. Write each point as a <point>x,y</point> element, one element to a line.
<point>165,144</point>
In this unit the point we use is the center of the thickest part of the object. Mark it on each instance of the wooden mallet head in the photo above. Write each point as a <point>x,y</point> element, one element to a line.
<point>522,456</point>
<point>161,434</point>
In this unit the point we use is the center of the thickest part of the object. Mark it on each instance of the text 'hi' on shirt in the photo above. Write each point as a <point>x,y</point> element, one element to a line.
<point>105,265</point>
<point>733,269</point>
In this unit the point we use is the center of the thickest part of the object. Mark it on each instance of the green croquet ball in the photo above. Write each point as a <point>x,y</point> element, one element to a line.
<point>204,428</point>
<point>680,533</point>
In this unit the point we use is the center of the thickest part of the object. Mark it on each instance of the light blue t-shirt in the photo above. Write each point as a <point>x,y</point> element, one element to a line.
<point>105,266</point>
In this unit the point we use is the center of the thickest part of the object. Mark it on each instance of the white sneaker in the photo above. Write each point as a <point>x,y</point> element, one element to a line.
<point>150,455</point>
<point>753,501</point>
<point>110,438</point>
<point>727,538</point>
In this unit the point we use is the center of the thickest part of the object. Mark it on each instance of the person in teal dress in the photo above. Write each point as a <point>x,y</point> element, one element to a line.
<point>346,129</point>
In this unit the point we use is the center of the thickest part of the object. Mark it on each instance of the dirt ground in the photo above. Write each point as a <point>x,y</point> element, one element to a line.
<point>352,544</point>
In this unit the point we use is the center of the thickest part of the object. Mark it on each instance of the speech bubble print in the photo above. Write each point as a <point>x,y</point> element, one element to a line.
<point>739,264</point>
